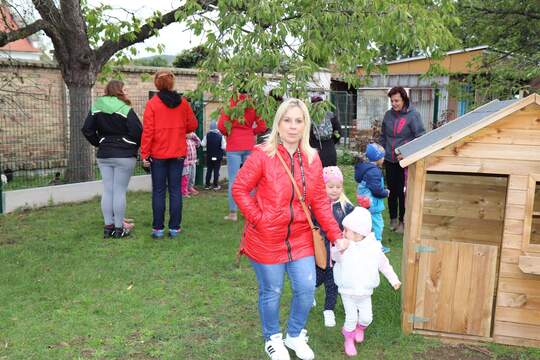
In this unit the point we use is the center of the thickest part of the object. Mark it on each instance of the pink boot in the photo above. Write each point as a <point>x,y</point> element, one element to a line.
<point>359,333</point>
<point>350,348</point>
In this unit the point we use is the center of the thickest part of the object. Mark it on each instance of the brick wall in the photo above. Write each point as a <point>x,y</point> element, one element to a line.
<point>33,112</point>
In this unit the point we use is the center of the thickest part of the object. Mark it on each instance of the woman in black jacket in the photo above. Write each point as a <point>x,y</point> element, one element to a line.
<point>113,127</point>
<point>325,135</point>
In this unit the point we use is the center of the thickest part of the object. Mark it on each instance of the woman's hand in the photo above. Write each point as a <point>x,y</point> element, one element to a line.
<point>146,163</point>
<point>397,285</point>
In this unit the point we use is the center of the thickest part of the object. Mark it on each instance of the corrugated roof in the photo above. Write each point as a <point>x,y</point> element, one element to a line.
<point>453,127</point>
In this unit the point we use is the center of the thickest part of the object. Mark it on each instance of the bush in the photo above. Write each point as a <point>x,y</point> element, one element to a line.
<point>346,157</point>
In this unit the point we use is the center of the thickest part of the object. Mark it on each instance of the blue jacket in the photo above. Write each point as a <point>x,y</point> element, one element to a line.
<point>371,184</point>
<point>213,144</point>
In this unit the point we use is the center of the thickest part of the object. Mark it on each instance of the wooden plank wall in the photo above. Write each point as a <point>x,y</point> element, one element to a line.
<point>511,146</point>
<point>411,238</point>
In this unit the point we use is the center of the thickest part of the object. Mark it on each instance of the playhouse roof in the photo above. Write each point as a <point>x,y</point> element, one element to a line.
<point>461,127</point>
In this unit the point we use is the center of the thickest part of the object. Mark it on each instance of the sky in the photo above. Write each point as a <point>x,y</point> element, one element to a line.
<point>173,37</point>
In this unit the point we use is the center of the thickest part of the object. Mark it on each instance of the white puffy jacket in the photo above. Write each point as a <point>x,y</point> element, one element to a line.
<point>356,271</point>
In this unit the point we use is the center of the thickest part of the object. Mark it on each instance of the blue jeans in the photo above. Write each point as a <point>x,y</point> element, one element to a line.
<point>167,173</point>
<point>270,277</point>
<point>234,160</point>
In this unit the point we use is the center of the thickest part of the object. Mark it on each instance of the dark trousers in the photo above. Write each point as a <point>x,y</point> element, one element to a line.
<point>167,173</point>
<point>326,277</point>
<point>395,177</point>
<point>212,166</point>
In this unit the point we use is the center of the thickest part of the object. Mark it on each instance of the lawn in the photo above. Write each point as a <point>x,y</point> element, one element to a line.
<point>66,293</point>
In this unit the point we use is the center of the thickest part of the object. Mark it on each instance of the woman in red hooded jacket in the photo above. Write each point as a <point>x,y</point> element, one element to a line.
<point>277,237</point>
<point>240,141</point>
<point>167,119</point>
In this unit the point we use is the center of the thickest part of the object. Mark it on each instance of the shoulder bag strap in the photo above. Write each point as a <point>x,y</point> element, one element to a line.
<point>297,190</point>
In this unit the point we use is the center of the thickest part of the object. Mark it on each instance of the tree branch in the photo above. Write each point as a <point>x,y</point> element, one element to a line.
<point>110,47</point>
<point>525,13</point>
<point>7,37</point>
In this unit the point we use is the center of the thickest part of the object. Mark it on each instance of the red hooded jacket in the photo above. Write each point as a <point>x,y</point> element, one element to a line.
<point>276,229</point>
<point>241,137</point>
<point>165,127</point>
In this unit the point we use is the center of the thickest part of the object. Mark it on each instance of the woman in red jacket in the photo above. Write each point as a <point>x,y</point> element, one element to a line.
<point>240,141</point>
<point>167,119</point>
<point>277,237</point>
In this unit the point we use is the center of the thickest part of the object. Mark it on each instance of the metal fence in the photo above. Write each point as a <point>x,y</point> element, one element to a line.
<point>34,140</point>
<point>34,136</point>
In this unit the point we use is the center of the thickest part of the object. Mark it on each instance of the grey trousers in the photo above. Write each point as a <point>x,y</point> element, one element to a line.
<point>115,173</point>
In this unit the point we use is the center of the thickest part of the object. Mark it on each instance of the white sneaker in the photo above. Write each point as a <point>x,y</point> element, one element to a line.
<point>275,348</point>
<point>329,318</point>
<point>300,346</point>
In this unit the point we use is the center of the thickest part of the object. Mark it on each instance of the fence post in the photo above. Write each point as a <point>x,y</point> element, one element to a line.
<point>1,196</point>
<point>198,109</point>
<point>436,109</point>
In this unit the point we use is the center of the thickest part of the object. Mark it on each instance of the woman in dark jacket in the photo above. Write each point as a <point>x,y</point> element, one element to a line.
<point>277,237</point>
<point>113,127</point>
<point>325,135</point>
<point>168,117</point>
<point>400,125</point>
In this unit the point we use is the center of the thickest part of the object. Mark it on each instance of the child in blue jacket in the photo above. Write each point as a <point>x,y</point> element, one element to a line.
<point>369,176</point>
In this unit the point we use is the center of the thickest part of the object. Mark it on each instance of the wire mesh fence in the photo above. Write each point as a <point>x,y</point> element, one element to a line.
<point>34,133</point>
<point>34,141</point>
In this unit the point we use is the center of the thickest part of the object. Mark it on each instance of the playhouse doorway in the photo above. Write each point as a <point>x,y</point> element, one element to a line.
<point>460,242</point>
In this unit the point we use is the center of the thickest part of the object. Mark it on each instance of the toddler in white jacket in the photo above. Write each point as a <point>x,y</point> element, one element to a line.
<point>359,258</point>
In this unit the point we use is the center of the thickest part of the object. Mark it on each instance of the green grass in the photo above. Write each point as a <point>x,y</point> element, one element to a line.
<point>66,293</point>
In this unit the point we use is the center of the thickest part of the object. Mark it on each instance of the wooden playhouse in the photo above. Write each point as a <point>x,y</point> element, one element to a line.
<point>471,263</point>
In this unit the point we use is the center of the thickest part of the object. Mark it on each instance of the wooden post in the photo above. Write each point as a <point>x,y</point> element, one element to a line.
<point>413,223</point>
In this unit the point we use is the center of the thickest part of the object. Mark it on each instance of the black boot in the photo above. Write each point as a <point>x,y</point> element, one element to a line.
<point>108,231</point>
<point>120,232</point>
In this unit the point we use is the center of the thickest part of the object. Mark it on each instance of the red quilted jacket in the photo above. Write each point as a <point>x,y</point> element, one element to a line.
<point>276,229</point>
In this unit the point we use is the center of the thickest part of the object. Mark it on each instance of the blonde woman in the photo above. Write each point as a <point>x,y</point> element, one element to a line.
<point>277,237</point>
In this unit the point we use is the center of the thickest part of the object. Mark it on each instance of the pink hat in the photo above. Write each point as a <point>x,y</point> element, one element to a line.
<point>332,173</point>
<point>359,221</point>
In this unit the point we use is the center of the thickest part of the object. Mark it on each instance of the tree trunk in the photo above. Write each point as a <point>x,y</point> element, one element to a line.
<point>80,166</point>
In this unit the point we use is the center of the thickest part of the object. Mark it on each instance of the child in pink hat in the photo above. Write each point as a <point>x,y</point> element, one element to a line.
<point>341,207</point>
<point>359,258</point>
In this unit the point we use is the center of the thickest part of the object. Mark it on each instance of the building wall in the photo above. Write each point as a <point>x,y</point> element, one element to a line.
<point>454,62</point>
<point>34,116</point>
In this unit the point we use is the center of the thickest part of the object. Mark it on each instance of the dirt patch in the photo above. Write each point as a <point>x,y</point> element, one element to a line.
<point>77,341</point>
<point>8,241</point>
<point>461,352</point>
<point>88,353</point>
<point>138,356</point>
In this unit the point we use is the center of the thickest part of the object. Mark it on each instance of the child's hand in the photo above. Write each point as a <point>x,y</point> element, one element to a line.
<point>397,285</point>
<point>342,244</point>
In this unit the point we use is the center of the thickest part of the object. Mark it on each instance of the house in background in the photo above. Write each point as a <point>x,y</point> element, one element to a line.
<point>22,49</point>
<point>429,95</point>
